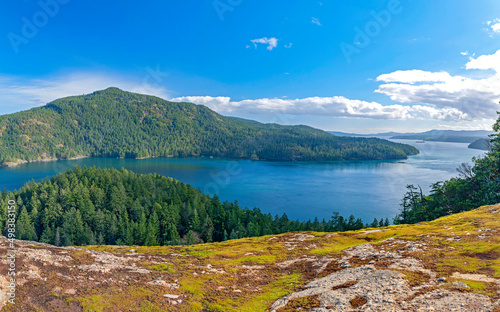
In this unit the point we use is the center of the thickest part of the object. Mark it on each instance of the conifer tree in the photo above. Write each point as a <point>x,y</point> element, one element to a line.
<point>24,227</point>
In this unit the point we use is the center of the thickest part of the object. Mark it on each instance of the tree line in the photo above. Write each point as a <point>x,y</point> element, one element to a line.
<point>476,185</point>
<point>93,206</point>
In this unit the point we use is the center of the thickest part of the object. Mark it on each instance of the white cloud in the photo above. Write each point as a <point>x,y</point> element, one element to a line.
<point>493,26</point>
<point>217,103</point>
<point>423,94</point>
<point>315,21</point>
<point>413,76</point>
<point>465,126</point>
<point>496,27</point>
<point>474,98</point>
<point>271,42</point>
<point>418,94</point>
<point>465,53</point>
<point>288,46</point>
<point>19,93</point>
<point>336,106</point>
<point>491,61</point>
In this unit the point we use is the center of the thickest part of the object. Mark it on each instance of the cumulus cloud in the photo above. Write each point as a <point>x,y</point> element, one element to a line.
<point>474,98</point>
<point>271,42</point>
<point>491,61</point>
<point>413,76</point>
<point>494,25</point>
<point>419,94</point>
<point>336,106</point>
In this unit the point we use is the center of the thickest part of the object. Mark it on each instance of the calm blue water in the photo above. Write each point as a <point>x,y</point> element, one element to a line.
<point>368,189</point>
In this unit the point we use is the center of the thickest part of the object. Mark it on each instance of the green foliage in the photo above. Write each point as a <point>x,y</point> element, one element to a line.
<point>88,206</point>
<point>476,186</point>
<point>114,123</point>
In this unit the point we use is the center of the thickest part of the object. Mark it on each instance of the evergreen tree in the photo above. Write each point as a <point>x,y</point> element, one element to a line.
<point>173,237</point>
<point>24,227</point>
<point>151,238</point>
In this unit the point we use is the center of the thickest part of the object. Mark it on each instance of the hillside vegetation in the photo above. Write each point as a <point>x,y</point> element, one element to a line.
<point>476,185</point>
<point>450,264</point>
<point>115,123</point>
<point>85,206</point>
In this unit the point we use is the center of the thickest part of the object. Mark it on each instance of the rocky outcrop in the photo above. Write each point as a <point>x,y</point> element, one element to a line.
<point>450,264</point>
<point>380,286</point>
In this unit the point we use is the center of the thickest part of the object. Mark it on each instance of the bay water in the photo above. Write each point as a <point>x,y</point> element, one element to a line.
<point>302,190</point>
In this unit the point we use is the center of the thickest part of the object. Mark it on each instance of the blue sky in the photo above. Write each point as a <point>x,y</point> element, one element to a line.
<point>354,66</point>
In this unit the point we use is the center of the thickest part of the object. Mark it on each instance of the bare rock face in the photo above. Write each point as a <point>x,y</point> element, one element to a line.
<point>366,288</point>
<point>445,300</point>
<point>381,289</point>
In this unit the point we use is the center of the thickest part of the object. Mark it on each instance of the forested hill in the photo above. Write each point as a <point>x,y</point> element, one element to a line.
<point>105,206</point>
<point>115,123</point>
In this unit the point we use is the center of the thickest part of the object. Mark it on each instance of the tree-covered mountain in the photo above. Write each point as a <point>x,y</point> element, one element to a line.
<point>115,123</point>
<point>85,206</point>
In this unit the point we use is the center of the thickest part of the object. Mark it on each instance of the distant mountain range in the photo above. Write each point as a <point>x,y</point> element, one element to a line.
<point>463,136</point>
<point>374,135</point>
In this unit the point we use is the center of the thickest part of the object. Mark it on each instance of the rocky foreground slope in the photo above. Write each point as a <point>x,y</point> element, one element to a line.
<point>451,264</point>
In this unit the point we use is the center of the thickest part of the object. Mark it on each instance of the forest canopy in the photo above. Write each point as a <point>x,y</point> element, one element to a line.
<point>92,206</point>
<point>115,123</point>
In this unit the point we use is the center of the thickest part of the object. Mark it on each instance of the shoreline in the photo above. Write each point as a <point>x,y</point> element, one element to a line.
<point>11,164</point>
<point>21,162</point>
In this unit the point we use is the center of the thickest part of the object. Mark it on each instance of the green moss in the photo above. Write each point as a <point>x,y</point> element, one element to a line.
<point>272,292</point>
<point>162,267</point>
<point>193,285</point>
<point>116,299</point>
<point>337,245</point>
<point>201,253</point>
<point>255,259</point>
<point>488,289</point>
